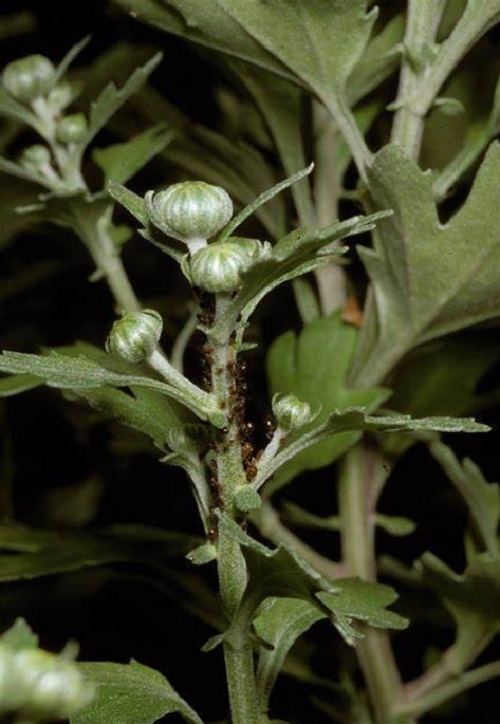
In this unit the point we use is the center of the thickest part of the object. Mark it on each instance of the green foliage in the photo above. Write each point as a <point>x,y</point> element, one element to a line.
<point>131,692</point>
<point>314,366</point>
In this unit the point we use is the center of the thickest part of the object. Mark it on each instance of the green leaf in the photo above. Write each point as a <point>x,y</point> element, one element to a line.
<point>14,193</point>
<point>19,636</point>
<point>130,693</point>
<point>280,622</point>
<point>481,498</point>
<point>28,553</point>
<point>18,383</point>
<point>391,524</point>
<point>473,599</point>
<point>130,201</point>
<point>287,37</point>
<point>122,161</point>
<point>441,377</point>
<point>111,99</point>
<point>358,419</point>
<point>428,279</point>
<point>10,108</point>
<point>314,366</point>
<point>83,373</point>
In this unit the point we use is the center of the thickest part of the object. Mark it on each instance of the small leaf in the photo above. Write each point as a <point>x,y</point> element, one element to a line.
<point>122,161</point>
<point>111,99</point>
<point>314,366</point>
<point>19,636</point>
<point>359,419</point>
<point>81,373</point>
<point>130,201</point>
<point>473,599</point>
<point>130,693</point>
<point>482,498</point>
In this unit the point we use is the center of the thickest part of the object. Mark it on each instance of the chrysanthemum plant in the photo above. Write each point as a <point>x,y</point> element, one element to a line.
<point>318,73</point>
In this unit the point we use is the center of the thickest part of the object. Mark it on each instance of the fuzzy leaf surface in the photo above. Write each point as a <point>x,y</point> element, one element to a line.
<point>314,366</point>
<point>19,636</point>
<point>429,279</point>
<point>130,693</point>
<point>79,373</point>
<point>359,419</point>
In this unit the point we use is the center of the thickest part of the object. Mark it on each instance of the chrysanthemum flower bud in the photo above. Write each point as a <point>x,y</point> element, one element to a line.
<point>28,78</point>
<point>290,412</point>
<point>135,336</point>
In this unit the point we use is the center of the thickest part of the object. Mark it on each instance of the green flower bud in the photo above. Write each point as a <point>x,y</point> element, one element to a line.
<point>247,499</point>
<point>217,268</point>
<point>36,157</point>
<point>61,96</point>
<point>135,336</point>
<point>28,78</point>
<point>290,412</point>
<point>192,211</point>
<point>72,129</point>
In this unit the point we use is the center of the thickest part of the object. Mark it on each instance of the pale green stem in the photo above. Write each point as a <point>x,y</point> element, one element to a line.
<point>182,341</point>
<point>331,279</point>
<point>449,690</point>
<point>231,564</point>
<point>362,476</point>
<point>421,26</point>
<point>348,127</point>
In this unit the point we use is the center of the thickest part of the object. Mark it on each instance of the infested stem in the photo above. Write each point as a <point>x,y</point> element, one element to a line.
<point>231,476</point>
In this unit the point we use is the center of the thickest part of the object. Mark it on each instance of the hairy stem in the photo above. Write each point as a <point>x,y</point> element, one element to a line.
<point>362,476</point>
<point>421,27</point>
<point>230,476</point>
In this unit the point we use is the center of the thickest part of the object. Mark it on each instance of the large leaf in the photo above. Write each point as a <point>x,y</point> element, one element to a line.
<point>287,37</point>
<point>429,278</point>
<point>130,693</point>
<point>314,366</point>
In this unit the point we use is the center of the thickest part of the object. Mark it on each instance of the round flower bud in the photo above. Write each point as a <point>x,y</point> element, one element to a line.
<point>72,129</point>
<point>290,412</point>
<point>247,499</point>
<point>135,336</point>
<point>28,78</point>
<point>190,211</point>
<point>61,96</point>
<point>35,157</point>
<point>217,268</point>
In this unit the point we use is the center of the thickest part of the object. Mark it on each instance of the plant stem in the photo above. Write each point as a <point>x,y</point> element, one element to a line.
<point>421,27</point>
<point>362,477</point>
<point>108,262</point>
<point>231,476</point>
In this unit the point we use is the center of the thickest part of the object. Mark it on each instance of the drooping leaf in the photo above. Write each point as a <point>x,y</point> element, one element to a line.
<point>19,636</point>
<point>473,599</point>
<point>122,161</point>
<point>130,693</point>
<point>111,99</point>
<point>27,553</point>
<point>391,524</point>
<point>358,419</point>
<point>81,373</point>
<point>314,367</point>
<point>481,498</point>
<point>429,279</point>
